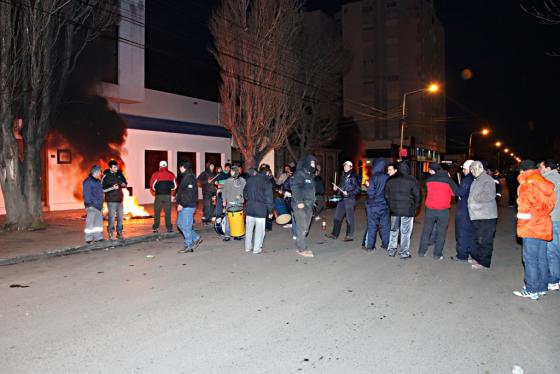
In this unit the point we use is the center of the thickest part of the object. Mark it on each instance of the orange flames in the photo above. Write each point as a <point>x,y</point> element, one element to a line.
<point>131,207</point>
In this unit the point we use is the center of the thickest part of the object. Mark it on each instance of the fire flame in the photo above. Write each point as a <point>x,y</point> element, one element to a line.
<point>131,207</point>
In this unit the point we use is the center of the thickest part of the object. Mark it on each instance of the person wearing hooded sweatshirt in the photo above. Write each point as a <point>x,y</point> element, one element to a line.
<point>349,188</point>
<point>549,170</point>
<point>376,207</point>
<point>187,198</point>
<point>232,195</point>
<point>206,182</point>
<point>483,212</point>
<point>163,182</point>
<point>464,229</point>
<point>535,201</point>
<point>303,199</point>
<point>93,201</point>
<point>402,192</point>
<point>258,193</point>
<point>441,189</point>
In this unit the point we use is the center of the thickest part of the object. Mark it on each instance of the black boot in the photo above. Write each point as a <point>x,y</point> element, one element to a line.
<point>337,225</point>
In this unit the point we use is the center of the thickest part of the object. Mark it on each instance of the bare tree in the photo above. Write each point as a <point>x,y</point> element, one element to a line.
<point>35,62</point>
<point>252,42</point>
<point>547,13</point>
<point>320,86</point>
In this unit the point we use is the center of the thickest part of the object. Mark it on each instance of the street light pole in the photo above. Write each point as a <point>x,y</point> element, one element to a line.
<point>403,117</point>
<point>483,132</point>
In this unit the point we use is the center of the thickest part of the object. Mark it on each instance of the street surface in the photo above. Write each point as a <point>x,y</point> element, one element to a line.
<point>220,310</point>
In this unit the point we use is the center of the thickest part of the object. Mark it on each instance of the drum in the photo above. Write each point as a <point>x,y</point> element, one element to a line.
<point>281,211</point>
<point>236,220</point>
<point>220,225</point>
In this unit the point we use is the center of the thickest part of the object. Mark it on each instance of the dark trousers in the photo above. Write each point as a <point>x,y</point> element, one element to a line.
<point>319,204</point>
<point>377,221</point>
<point>162,201</point>
<point>439,219</point>
<point>465,236</point>
<point>207,208</point>
<point>344,208</point>
<point>485,230</point>
<point>303,219</point>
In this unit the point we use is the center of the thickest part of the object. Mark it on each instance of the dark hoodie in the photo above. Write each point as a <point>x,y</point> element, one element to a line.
<point>376,188</point>
<point>351,184</point>
<point>402,192</point>
<point>303,182</point>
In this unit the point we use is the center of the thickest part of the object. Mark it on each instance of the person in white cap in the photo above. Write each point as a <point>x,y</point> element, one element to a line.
<point>163,183</point>
<point>464,229</point>
<point>348,189</point>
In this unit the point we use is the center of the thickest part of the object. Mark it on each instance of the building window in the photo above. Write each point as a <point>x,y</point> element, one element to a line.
<point>151,164</point>
<point>109,52</point>
<point>368,34</point>
<point>63,156</point>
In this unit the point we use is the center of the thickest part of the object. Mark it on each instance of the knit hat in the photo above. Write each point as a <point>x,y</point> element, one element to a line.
<point>434,166</point>
<point>527,165</point>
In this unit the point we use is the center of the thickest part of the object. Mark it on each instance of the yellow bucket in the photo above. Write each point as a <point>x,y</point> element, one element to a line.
<point>236,222</point>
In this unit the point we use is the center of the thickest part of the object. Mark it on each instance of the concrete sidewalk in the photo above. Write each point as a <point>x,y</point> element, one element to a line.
<point>65,235</point>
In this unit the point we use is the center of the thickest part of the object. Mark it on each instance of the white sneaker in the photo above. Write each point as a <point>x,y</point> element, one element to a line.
<point>318,218</point>
<point>554,286</point>
<point>287,226</point>
<point>294,237</point>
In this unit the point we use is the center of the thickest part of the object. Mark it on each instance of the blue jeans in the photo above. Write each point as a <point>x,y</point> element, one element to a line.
<point>536,264</point>
<point>185,221</point>
<point>553,254</point>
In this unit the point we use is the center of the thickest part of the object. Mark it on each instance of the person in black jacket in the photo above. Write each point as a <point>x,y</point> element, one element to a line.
<point>187,198</point>
<point>402,192</point>
<point>376,207</point>
<point>258,194</point>
<point>206,180</point>
<point>113,182</point>
<point>303,199</point>
<point>349,188</point>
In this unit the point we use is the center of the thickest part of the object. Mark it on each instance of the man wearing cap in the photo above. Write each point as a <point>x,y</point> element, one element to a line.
<point>163,182</point>
<point>93,201</point>
<point>549,170</point>
<point>535,201</point>
<point>483,212</point>
<point>464,229</point>
<point>187,198</point>
<point>441,189</point>
<point>349,188</point>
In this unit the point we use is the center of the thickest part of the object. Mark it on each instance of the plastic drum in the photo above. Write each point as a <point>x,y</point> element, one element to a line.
<point>236,221</point>
<point>281,211</point>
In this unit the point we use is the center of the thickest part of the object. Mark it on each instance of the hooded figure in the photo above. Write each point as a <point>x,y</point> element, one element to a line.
<point>258,194</point>
<point>303,198</point>
<point>348,189</point>
<point>464,229</point>
<point>206,181</point>
<point>376,207</point>
<point>187,198</point>
<point>232,193</point>
<point>402,192</point>
<point>483,212</point>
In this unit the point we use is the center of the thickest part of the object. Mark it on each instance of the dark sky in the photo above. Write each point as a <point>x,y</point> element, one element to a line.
<point>513,82</point>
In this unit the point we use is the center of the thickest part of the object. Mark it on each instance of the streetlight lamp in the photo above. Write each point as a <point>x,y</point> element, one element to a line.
<point>498,144</point>
<point>483,132</point>
<point>432,88</point>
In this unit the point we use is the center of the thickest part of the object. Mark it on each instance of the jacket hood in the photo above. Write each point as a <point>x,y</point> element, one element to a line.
<point>404,169</point>
<point>378,166</point>
<point>306,163</point>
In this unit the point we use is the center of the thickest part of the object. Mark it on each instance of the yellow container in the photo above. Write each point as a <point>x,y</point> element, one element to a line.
<point>236,222</point>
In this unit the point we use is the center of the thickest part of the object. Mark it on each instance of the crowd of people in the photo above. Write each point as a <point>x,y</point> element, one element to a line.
<point>393,199</point>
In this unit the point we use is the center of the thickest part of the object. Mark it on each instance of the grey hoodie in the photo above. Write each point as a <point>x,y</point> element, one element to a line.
<point>554,177</point>
<point>482,195</point>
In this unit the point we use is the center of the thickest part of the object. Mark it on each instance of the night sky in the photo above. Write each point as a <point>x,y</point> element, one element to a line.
<point>513,81</point>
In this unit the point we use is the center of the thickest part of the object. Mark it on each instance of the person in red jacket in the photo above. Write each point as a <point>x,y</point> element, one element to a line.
<point>441,189</point>
<point>535,200</point>
<point>163,182</point>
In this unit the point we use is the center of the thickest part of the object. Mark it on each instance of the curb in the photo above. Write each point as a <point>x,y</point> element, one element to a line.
<point>106,244</point>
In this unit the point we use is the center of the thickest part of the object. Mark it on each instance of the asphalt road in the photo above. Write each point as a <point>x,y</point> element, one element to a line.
<point>220,310</point>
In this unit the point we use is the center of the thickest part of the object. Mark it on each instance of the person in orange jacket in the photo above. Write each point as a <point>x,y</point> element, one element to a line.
<point>535,200</point>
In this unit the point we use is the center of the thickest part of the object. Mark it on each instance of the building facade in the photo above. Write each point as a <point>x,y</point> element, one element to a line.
<point>395,47</point>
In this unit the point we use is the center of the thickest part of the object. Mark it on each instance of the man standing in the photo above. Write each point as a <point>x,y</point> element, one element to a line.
<point>535,202</point>
<point>464,229</point>
<point>438,202</point>
<point>319,193</point>
<point>303,199</point>
<point>93,201</point>
<point>402,192</point>
<point>258,193</point>
<point>483,212</point>
<point>113,182</point>
<point>232,195</point>
<point>206,180</point>
<point>349,188</point>
<point>512,184</point>
<point>549,170</point>
<point>163,182</point>
<point>187,198</point>
<point>376,207</point>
